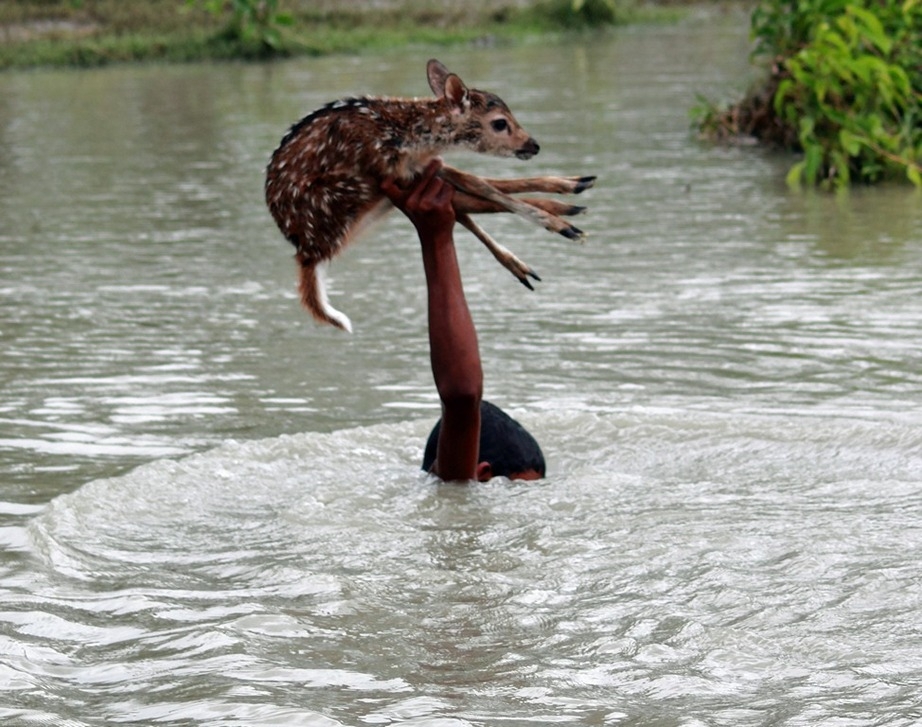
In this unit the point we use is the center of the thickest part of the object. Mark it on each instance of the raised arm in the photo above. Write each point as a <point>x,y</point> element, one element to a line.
<point>453,346</point>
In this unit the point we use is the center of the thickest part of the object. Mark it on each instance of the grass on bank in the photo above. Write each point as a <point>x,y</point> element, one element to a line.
<point>86,33</point>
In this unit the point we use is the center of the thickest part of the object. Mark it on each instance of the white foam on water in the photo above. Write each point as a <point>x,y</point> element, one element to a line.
<point>701,560</point>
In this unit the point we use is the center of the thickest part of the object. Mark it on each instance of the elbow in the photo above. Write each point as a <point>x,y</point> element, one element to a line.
<point>461,409</point>
<point>462,394</point>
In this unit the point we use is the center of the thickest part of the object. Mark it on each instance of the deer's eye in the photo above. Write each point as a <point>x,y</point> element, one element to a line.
<point>499,125</point>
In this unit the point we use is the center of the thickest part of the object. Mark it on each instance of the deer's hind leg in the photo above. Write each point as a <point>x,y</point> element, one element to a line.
<point>520,269</point>
<point>479,187</point>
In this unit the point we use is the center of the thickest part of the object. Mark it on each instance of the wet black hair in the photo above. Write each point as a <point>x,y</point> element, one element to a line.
<point>504,443</point>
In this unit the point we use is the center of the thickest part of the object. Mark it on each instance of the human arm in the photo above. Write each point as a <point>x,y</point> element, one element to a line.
<point>454,353</point>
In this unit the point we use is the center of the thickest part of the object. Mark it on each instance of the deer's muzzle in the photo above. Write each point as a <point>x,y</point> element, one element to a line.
<point>528,150</point>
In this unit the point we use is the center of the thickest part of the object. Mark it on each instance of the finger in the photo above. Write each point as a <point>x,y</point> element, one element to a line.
<point>433,167</point>
<point>418,189</point>
<point>430,191</point>
<point>426,184</point>
<point>415,195</point>
<point>394,192</point>
<point>428,179</point>
<point>443,193</point>
<point>436,189</point>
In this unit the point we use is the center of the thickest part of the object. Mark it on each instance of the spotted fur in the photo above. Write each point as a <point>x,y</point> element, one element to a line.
<point>323,181</point>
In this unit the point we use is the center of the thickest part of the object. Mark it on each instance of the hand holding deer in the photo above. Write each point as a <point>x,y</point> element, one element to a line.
<point>323,183</point>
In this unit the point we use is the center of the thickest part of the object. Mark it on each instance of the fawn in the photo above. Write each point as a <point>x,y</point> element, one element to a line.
<point>323,180</point>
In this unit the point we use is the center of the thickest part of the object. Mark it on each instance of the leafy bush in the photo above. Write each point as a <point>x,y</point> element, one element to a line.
<point>582,14</point>
<point>251,22</point>
<point>845,88</point>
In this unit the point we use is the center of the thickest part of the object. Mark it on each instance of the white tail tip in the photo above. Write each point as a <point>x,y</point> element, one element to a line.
<point>342,320</point>
<point>337,318</point>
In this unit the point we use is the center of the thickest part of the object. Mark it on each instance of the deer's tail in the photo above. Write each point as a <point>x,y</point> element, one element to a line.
<point>314,295</point>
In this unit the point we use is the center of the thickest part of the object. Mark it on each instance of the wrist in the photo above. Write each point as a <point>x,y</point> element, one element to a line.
<point>437,239</point>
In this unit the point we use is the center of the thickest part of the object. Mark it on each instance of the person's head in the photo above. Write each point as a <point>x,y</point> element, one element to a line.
<point>506,447</point>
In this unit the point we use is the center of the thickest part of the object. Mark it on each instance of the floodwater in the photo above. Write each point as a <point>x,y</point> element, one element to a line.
<point>211,509</point>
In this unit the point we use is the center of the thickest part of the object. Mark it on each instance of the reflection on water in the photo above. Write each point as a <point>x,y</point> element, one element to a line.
<point>725,378</point>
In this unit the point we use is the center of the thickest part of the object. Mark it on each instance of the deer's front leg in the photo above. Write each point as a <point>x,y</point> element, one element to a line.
<point>476,186</point>
<point>550,185</point>
<point>470,204</point>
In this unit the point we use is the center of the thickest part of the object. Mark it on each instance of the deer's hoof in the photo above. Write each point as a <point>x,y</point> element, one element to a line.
<point>572,233</point>
<point>584,183</point>
<point>529,273</point>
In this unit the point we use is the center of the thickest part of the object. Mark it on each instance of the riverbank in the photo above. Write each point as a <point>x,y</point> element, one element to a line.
<point>101,32</point>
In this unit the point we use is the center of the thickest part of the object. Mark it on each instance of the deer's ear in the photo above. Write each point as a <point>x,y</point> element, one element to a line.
<point>436,73</point>
<point>456,92</point>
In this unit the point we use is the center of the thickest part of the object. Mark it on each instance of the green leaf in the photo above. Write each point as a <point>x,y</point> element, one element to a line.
<point>272,38</point>
<point>913,175</point>
<point>807,125</point>
<point>781,94</point>
<point>813,161</point>
<point>872,27</point>
<point>849,142</point>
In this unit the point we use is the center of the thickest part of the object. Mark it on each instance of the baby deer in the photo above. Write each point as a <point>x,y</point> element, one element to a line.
<point>323,181</point>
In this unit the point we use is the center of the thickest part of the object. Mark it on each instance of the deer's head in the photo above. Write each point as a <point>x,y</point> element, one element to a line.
<point>481,120</point>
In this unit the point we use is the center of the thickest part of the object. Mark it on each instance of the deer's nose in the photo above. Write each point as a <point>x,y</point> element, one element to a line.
<point>528,150</point>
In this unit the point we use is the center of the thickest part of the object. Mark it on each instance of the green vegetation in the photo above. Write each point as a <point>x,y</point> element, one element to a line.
<point>844,88</point>
<point>99,32</point>
<point>251,22</point>
<point>581,14</point>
